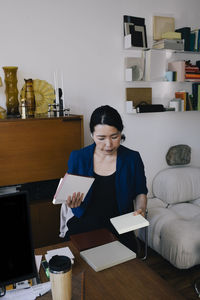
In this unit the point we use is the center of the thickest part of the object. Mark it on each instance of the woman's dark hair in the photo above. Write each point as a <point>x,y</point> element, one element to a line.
<point>106,115</point>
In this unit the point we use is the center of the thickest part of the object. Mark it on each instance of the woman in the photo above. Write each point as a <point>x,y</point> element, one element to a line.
<point>119,179</point>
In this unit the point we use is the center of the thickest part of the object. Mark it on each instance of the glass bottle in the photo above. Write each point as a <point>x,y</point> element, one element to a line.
<point>23,109</point>
<point>30,98</point>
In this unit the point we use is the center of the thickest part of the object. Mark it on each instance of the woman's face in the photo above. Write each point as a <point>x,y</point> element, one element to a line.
<point>107,139</point>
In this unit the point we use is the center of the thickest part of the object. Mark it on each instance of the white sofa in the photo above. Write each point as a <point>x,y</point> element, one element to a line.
<point>174,216</point>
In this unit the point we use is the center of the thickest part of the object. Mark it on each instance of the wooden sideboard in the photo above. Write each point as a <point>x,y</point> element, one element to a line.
<point>35,151</point>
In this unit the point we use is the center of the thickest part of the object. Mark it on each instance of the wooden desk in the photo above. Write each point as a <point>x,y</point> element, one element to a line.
<point>127,281</point>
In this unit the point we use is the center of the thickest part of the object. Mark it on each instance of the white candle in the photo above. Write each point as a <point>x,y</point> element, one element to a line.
<point>62,86</point>
<point>56,86</point>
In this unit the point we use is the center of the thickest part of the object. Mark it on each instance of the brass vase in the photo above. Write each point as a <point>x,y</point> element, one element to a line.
<point>11,91</point>
<point>30,98</point>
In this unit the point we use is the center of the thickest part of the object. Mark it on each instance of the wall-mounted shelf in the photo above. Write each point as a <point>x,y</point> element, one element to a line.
<point>153,63</point>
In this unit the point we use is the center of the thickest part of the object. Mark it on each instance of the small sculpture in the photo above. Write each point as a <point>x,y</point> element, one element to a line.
<point>178,155</point>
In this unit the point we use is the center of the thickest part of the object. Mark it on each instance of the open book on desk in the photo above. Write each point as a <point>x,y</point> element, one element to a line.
<point>128,222</point>
<point>70,184</point>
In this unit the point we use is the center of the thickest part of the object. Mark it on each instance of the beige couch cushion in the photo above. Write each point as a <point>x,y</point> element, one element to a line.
<point>178,184</point>
<point>174,231</point>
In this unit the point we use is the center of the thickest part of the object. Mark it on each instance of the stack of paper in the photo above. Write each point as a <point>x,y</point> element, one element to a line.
<point>38,259</point>
<point>60,251</point>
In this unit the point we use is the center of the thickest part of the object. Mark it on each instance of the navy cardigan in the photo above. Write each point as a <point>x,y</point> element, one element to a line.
<point>130,177</point>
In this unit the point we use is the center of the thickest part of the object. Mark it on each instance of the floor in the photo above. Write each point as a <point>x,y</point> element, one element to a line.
<point>181,280</point>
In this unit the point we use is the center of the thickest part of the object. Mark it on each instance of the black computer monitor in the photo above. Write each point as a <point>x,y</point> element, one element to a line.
<point>17,260</point>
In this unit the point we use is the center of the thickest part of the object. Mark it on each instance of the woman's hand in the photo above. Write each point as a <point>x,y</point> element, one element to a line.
<point>75,200</point>
<point>140,205</point>
<point>139,212</point>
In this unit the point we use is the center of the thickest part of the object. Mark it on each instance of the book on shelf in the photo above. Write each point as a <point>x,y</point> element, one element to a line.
<point>192,79</point>
<point>171,35</point>
<point>196,34</point>
<point>171,76</point>
<point>192,41</point>
<point>182,95</point>
<point>185,35</point>
<point>198,98</point>
<point>192,69</point>
<point>196,95</point>
<point>179,67</point>
<point>189,105</point>
<point>173,44</point>
<point>192,76</point>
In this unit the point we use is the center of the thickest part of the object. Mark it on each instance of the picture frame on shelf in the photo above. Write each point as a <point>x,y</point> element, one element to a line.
<point>134,68</point>
<point>127,28</point>
<point>162,24</point>
<point>133,20</point>
<point>135,30</point>
<point>138,36</point>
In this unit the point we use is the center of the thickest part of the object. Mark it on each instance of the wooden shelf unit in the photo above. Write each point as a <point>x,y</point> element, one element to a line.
<point>37,150</point>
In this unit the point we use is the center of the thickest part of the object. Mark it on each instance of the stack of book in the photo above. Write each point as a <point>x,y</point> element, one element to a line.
<point>188,101</point>
<point>196,95</point>
<point>169,40</point>
<point>178,66</point>
<point>174,44</point>
<point>184,96</point>
<point>195,40</point>
<point>191,38</point>
<point>192,73</point>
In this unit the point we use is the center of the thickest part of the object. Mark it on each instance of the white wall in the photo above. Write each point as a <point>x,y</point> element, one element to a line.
<point>84,40</point>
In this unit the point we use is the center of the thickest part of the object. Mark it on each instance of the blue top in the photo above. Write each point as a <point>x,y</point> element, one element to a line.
<point>130,179</point>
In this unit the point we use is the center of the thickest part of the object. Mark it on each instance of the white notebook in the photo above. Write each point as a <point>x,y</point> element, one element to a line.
<point>70,184</point>
<point>128,222</point>
<point>107,255</point>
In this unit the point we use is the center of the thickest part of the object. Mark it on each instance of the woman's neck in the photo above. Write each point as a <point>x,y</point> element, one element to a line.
<point>104,164</point>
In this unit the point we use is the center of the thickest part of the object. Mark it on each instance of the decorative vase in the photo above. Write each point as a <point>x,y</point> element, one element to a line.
<point>11,91</point>
<point>30,98</point>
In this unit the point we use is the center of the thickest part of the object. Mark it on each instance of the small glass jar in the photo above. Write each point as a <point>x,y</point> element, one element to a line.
<point>23,109</point>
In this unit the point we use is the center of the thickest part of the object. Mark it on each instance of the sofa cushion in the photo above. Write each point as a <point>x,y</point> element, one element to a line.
<point>155,202</point>
<point>180,242</point>
<point>174,232</point>
<point>185,211</point>
<point>196,202</point>
<point>178,184</point>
